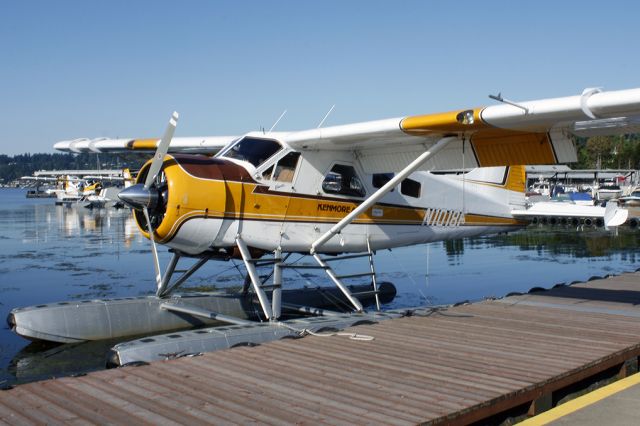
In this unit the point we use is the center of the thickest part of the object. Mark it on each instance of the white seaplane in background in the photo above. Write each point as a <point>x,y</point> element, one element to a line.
<point>333,193</point>
<point>95,187</point>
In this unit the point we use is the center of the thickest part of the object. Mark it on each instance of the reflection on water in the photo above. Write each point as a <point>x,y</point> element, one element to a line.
<point>51,253</point>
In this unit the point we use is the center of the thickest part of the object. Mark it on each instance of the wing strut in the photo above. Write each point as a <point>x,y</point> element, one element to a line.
<point>381,192</point>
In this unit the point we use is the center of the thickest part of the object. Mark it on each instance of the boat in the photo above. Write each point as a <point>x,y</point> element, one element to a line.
<point>580,198</point>
<point>631,200</point>
<point>608,192</point>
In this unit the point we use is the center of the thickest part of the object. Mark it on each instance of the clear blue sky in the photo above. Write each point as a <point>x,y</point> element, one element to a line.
<point>119,68</point>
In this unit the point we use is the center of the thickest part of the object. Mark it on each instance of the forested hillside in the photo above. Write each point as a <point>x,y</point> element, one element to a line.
<point>13,167</point>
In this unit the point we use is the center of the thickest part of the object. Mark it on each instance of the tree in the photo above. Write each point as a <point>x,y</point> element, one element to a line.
<point>599,151</point>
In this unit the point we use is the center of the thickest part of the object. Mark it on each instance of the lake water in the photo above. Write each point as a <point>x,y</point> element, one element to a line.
<point>53,253</point>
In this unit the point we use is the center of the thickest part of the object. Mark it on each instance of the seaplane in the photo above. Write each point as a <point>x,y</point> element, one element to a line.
<point>74,186</point>
<point>330,193</point>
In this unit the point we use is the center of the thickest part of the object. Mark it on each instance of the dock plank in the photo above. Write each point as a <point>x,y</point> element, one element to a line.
<point>461,364</point>
<point>227,397</point>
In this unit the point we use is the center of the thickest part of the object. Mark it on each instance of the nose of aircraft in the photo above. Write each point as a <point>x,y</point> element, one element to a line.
<point>139,197</point>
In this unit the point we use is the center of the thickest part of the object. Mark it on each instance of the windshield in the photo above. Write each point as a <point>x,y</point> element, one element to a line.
<point>254,150</point>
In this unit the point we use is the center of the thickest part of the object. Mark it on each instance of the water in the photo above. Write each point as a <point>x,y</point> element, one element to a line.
<point>52,253</point>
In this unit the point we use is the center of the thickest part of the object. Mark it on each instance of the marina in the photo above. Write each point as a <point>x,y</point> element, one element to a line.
<point>319,213</point>
<point>480,362</point>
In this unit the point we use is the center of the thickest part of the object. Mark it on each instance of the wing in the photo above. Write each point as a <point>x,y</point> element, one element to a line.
<point>535,132</point>
<point>195,145</point>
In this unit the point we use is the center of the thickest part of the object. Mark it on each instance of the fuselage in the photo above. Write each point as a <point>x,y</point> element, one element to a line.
<point>278,198</point>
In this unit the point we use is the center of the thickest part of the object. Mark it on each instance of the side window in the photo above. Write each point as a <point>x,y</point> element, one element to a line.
<point>410,187</point>
<point>342,180</point>
<point>380,179</point>
<point>286,167</point>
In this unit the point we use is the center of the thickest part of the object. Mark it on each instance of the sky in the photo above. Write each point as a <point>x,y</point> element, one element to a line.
<point>85,68</point>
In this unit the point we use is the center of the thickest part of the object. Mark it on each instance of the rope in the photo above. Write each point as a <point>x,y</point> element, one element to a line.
<point>306,332</point>
<point>352,336</point>
<point>438,310</point>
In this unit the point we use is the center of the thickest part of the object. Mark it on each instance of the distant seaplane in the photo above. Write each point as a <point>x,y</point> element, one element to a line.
<point>73,186</point>
<point>334,193</point>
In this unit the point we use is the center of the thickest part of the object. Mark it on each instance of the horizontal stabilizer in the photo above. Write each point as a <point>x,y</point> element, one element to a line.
<point>612,214</point>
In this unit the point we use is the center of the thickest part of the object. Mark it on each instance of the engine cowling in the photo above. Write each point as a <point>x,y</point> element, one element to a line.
<point>189,202</point>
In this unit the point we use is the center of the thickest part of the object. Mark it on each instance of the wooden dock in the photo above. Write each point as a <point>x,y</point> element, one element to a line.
<point>478,362</point>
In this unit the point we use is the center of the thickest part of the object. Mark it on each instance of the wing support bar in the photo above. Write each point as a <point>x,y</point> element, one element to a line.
<point>255,279</point>
<point>395,181</point>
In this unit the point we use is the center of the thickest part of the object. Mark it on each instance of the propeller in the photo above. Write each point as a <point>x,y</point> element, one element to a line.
<point>143,197</point>
<point>161,151</point>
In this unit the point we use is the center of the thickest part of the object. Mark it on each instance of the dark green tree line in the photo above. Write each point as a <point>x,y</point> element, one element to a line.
<point>608,152</point>
<point>13,167</point>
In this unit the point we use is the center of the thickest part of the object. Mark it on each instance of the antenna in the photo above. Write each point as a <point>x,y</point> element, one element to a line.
<point>499,98</point>
<point>277,121</point>
<point>326,115</point>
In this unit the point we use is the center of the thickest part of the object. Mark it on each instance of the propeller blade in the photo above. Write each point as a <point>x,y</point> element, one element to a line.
<point>161,151</point>
<point>154,251</point>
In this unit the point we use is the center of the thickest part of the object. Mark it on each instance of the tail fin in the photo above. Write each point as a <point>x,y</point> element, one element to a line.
<point>516,179</point>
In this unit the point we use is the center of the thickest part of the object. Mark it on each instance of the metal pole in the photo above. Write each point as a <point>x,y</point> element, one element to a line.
<point>167,274</point>
<point>355,302</point>
<point>276,295</point>
<point>185,275</point>
<point>255,279</point>
<point>373,274</point>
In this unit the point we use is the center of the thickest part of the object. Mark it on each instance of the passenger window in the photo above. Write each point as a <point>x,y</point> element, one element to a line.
<point>380,179</point>
<point>342,180</point>
<point>410,187</point>
<point>286,167</point>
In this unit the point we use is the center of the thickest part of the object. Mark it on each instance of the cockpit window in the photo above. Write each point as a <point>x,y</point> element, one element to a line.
<point>342,180</point>
<point>254,150</point>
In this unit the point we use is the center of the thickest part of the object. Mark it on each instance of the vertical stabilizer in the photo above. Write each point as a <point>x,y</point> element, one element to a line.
<point>516,179</point>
